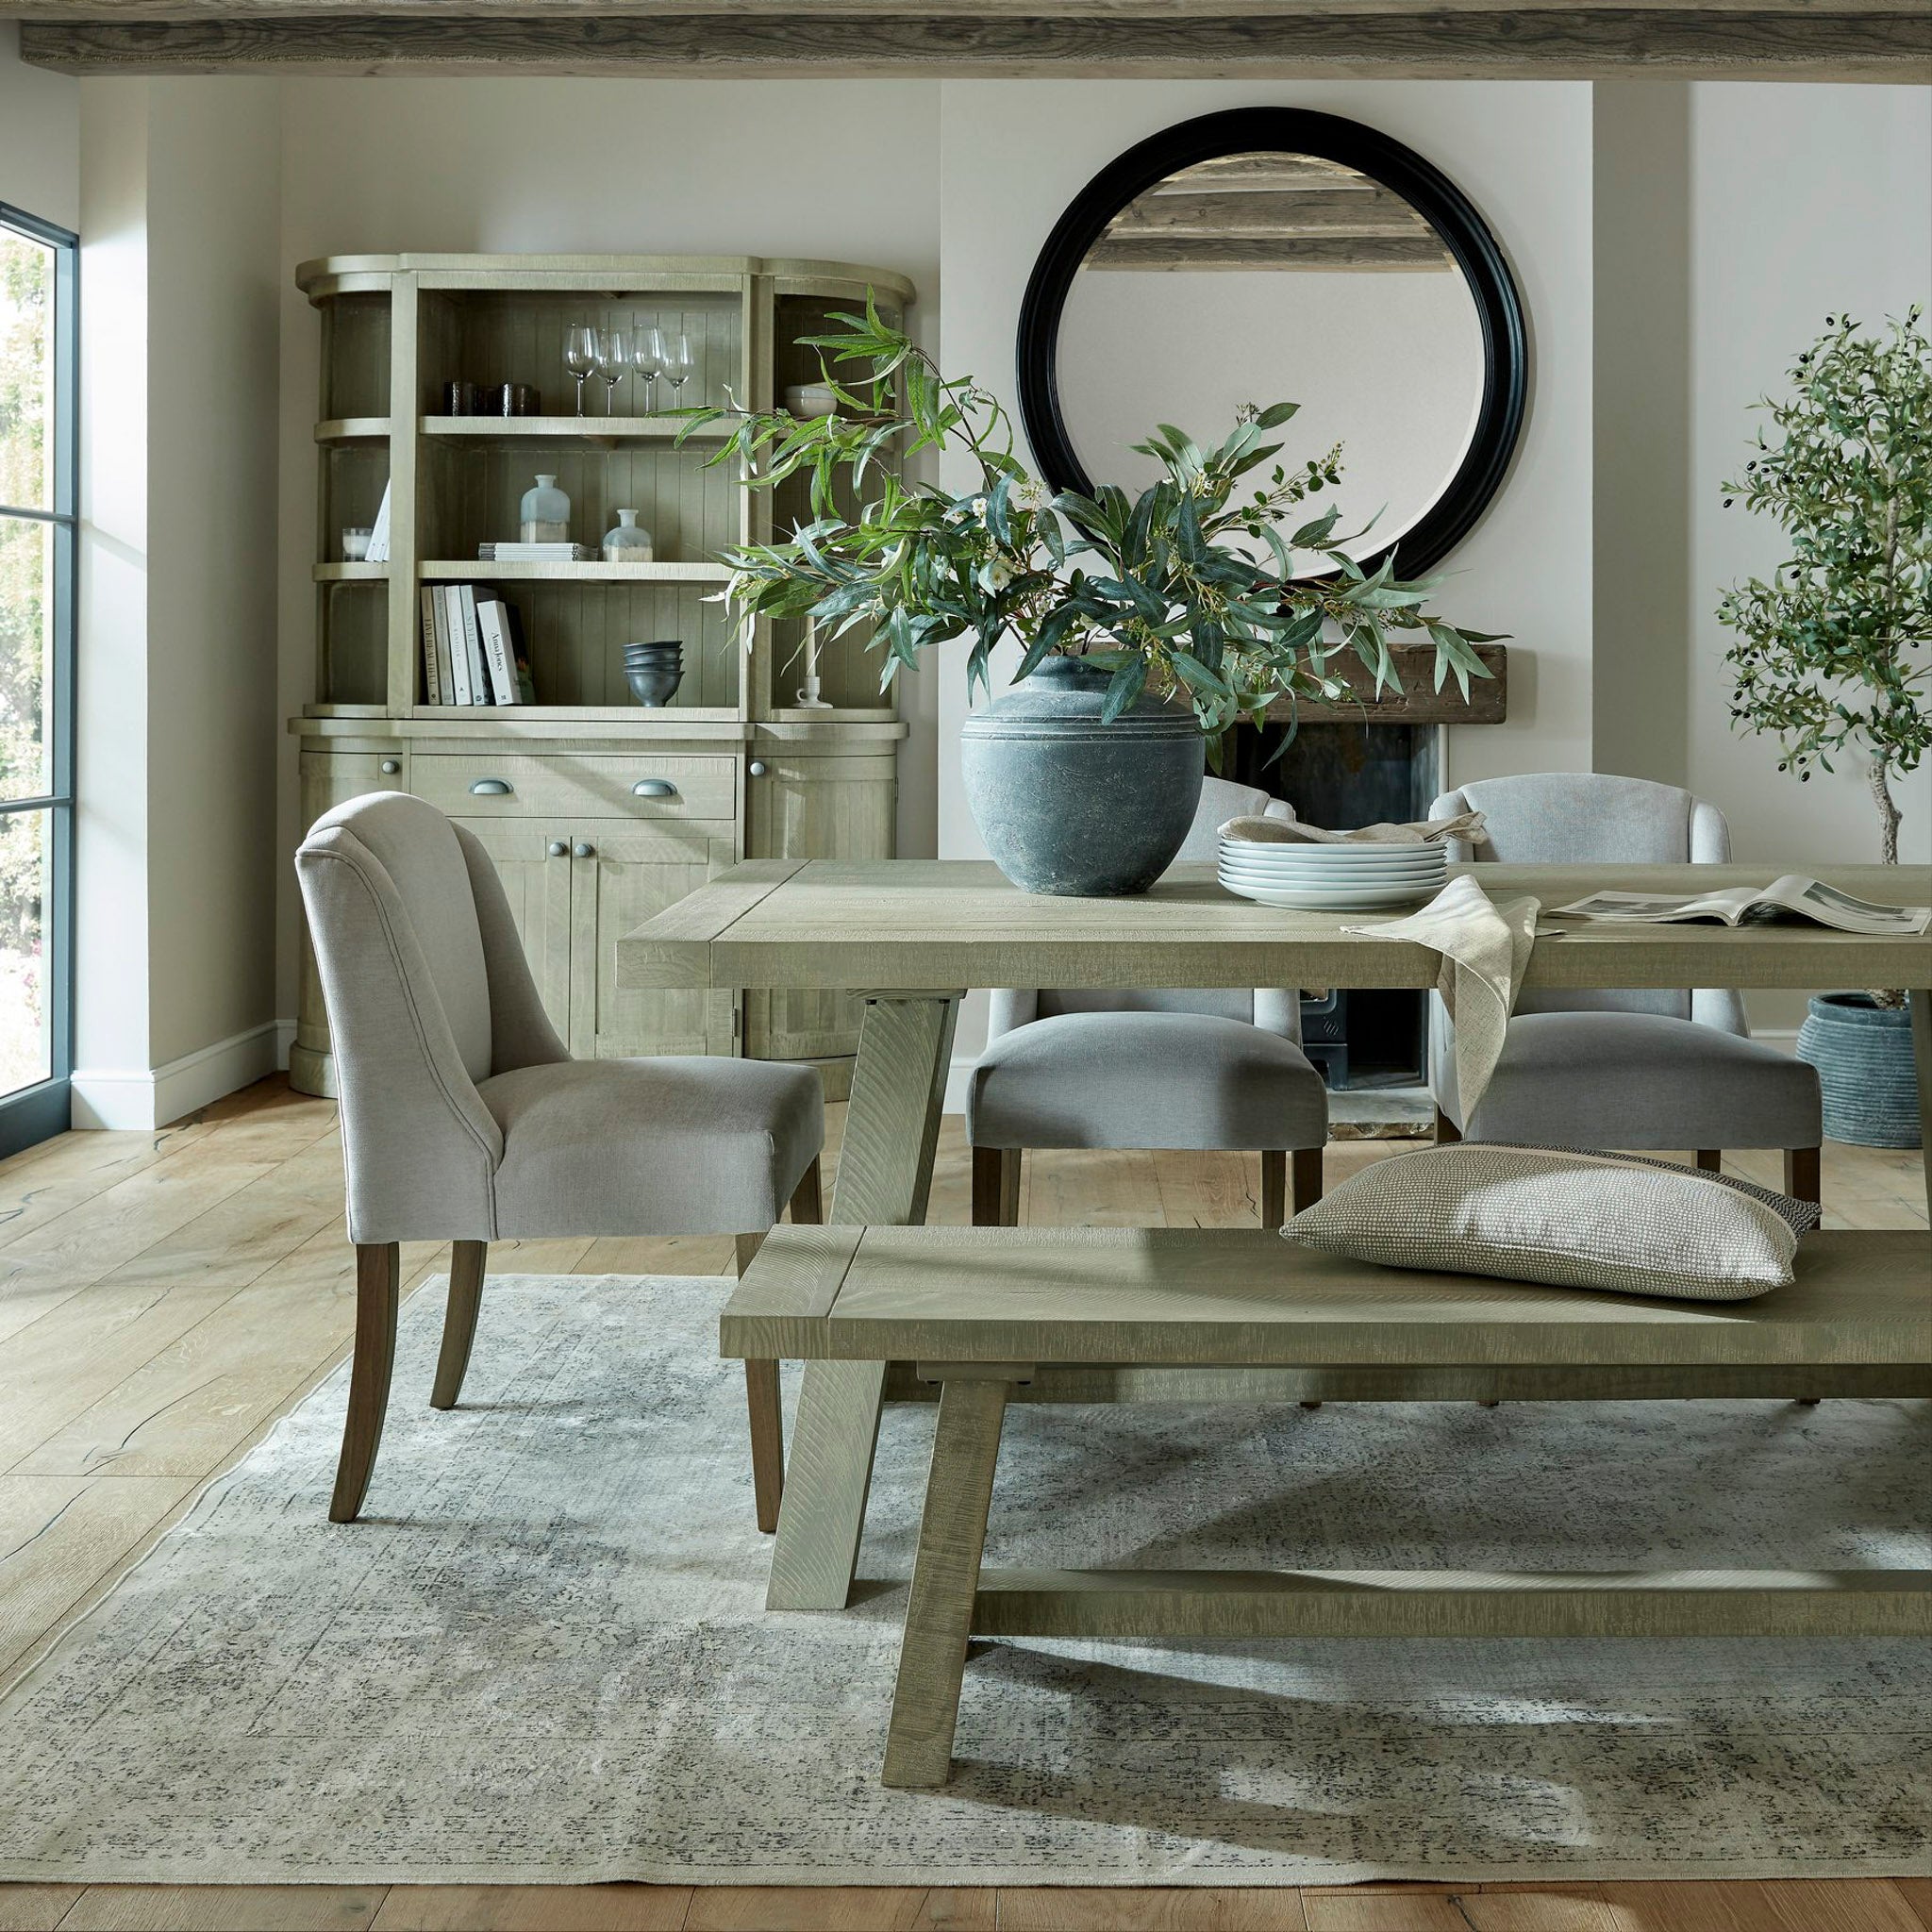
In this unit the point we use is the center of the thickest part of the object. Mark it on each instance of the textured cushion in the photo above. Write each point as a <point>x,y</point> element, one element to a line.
<point>1567,1219</point>
<point>1144,1080</point>
<point>652,1146</point>
<point>1641,1080</point>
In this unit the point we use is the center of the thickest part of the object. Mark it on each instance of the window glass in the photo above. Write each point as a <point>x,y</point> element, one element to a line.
<point>27,371</point>
<point>26,648</point>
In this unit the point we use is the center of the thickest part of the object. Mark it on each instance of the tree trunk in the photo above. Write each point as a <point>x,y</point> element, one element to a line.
<point>1888,814</point>
<point>1887,853</point>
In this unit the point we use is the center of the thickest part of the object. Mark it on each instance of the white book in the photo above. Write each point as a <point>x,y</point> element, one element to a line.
<point>432,676</point>
<point>492,620</point>
<point>452,607</point>
<point>446,667</point>
<point>1793,897</point>
<point>378,532</point>
<point>473,643</point>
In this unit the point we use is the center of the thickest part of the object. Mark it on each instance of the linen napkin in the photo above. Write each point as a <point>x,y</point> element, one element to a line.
<point>1484,949</point>
<point>1467,827</point>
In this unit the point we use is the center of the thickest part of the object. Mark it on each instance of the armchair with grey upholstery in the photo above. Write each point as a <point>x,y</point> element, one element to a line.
<point>1637,1069</point>
<point>464,1117</point>
<point>1219,1068</point>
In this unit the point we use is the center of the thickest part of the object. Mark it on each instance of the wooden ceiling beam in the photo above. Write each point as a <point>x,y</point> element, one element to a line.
<point>1170,254</point>
<point>1310,214</point>
<point>1868,42</point>
<point>1447,11</point>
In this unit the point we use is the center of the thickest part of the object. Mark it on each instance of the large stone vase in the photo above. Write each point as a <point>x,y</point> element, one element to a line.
<point>1069,805</point>
<point>1863,1054</point>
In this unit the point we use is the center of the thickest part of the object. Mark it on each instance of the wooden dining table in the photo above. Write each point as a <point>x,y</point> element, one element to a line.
<point>908,936</point>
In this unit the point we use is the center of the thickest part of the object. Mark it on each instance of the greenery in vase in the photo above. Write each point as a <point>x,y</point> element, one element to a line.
<point>1835,649</point>
<point>1191,591</point>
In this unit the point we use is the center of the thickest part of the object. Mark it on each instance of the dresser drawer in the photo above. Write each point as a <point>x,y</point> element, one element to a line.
<point>488,784</point>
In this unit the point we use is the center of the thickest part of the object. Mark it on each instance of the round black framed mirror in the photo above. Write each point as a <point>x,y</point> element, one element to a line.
<point>1274,254</point>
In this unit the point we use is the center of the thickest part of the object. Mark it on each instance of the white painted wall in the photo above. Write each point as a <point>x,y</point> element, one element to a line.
<point>1806,200</point>
<point>176,855</point>
<point>39,137</point>
<point>843,169</point>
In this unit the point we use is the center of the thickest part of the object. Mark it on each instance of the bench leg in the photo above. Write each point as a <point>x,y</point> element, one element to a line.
<point>945,1573</point>
<point>823,1516</point>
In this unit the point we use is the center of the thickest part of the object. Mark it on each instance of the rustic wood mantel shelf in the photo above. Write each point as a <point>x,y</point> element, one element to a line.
<point>1761,39</point>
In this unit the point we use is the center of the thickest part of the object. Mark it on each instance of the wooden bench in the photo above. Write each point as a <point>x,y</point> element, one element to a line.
<point>988,1315</point>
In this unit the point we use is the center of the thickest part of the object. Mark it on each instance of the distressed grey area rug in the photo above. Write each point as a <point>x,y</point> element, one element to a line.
<point>543,1655</point>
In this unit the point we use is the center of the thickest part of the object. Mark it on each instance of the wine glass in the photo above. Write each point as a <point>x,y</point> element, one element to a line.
<point>580,355</point>
<point>647,359</point>
<point>612,355</point>
<point>680,360</point>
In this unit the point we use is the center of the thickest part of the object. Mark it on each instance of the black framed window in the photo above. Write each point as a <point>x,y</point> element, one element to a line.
<point>39,447</point>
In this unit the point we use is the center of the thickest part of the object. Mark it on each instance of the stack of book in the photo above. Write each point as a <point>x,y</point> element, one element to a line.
<point>535,552</point>
<point>473,648</point>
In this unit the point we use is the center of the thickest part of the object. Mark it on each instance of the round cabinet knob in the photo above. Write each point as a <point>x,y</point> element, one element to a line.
<point>757,768</point>
<point>557,848</point>
<point>584,851</point>
<point>390,767</point>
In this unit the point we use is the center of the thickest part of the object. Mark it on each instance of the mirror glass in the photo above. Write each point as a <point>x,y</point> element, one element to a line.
<point>1259,279</point>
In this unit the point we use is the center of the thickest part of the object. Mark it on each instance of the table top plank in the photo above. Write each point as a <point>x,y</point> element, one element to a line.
<point>945,923</point>
<point>1245,1296</point>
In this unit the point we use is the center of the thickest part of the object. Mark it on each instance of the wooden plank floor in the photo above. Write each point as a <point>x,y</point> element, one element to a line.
<point>165,1296</point>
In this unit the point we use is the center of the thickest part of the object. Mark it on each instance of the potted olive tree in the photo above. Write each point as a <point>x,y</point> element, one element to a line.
<point>1148,628</point>
<point>1833,654</point>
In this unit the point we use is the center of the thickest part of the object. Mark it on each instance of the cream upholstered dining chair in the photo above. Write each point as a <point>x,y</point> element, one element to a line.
<point>1650,1069</point>
<point>464,1117</point>
<point>1219,1068</point>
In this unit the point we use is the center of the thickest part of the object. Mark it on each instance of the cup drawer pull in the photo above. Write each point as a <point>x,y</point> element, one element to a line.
<point>654,788</point>
<point>491,788</point>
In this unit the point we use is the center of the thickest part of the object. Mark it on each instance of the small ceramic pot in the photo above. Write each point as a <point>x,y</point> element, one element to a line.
<point>1073,808</point>
<point>1863,1054</point>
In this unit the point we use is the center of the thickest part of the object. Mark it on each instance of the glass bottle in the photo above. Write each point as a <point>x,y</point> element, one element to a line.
<point>545,514</point>
<point>629,543</point>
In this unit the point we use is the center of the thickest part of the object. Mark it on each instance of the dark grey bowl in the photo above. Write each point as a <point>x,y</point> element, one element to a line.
<point>654,686</point>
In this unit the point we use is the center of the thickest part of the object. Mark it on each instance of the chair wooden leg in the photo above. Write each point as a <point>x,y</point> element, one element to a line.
<point>378,1278</point>
<point>746,1248</point>
<point>995,1187</point>
<point>1274,1186</point>
<point>808,1199</point>
<point>466,1263</point>
<point>1447,1132</point>
<point>767,1441</point>
<point>1708,1160</point>
<point>1803,1180</point>
<point>1308,1177</point>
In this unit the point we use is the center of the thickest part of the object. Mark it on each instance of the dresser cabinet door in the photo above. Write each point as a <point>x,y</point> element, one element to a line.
<point>815,807</point>
<point>620,876</point>
<point>532,858</point>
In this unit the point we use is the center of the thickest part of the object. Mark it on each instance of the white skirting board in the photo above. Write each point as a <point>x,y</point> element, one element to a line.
<point>110,1097</point>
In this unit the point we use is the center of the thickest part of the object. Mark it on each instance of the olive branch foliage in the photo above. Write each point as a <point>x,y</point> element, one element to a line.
<point>1834,650</point>
<point>1189,593</point>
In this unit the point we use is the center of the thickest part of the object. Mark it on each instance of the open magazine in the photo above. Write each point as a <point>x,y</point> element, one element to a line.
<point>1793,896</point>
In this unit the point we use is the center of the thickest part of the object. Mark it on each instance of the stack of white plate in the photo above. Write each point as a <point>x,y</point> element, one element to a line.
<point>1332,878</point>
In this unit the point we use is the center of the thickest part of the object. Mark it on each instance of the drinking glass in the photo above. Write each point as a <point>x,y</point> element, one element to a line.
<point>613,359</point>
<point>647,359</point>
<point>680,359</point>
<point>580,355</point>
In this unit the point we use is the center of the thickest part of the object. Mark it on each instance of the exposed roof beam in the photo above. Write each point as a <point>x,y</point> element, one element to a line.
<point>1867,42</point>
<point>1169,254</point>
<point>1309,213</point>
<point>1448,13</point>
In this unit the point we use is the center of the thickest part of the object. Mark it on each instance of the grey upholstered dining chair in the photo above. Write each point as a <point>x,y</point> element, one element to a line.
<point>1221,1068</point>
<point>464,1117</point>
<point>1651,1069</point>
